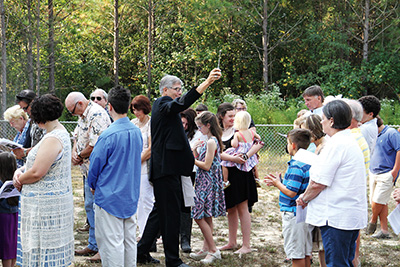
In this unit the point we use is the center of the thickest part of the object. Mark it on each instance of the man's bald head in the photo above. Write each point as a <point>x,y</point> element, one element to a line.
<point>76,103</point>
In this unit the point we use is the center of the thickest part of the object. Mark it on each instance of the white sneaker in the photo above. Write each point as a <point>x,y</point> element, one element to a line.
<point>214,256</point>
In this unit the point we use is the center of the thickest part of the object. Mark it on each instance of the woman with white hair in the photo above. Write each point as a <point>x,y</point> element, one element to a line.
<point>18,119</point>
<point>337,192</point>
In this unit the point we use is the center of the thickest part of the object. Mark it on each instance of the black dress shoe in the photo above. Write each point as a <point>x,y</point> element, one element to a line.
<point>146,259</point>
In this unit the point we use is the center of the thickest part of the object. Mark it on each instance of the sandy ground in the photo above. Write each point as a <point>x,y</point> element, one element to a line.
<point>266,238</point>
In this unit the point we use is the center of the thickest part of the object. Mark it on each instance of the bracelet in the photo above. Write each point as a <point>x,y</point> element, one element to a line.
<point>245,157</point>
<point>25,152</point>
<point>79,155</point>
<point>306,202</point>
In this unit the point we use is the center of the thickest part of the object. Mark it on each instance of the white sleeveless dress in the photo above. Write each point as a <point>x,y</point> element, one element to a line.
<point>46,218</point>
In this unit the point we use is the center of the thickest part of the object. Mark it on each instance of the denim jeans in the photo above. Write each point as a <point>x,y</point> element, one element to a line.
<point>340,245</point>
<point>89,201</point>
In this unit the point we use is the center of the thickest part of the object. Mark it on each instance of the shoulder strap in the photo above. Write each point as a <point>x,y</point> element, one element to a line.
<point>244,139</point>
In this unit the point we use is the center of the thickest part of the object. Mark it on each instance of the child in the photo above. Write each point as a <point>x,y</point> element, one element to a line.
<point>241,143</point>
<point>210,198</point>
<point>369,129</point>
<point>8,213</point>
<point>297,237</point>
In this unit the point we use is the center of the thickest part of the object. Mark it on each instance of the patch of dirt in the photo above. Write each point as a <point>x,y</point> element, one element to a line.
<point>266,238</point>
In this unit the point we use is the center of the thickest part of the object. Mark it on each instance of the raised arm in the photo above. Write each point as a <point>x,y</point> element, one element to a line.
<point>214,75</point>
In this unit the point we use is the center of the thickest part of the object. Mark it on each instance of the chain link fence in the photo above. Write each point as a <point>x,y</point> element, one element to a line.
<point>273,157</point>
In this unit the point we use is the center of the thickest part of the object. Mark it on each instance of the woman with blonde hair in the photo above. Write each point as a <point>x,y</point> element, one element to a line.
<point>19,120</point>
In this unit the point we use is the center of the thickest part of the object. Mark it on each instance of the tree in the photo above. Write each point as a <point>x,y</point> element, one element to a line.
<point>116,43</point>
<point>150,29</point>
<point>3,60</point>
<point>51,46</point>
<point>29,50</point>
<point>38,66</point>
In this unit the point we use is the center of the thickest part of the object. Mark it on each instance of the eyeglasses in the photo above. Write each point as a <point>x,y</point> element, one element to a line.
<point>26,108</point>
<point>73,111</point>
<point>176,88</point>
<point>96,97</point>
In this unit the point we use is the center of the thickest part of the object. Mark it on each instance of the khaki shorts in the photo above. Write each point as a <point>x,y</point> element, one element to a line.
<point>296,236</point>
<point>380,187</point>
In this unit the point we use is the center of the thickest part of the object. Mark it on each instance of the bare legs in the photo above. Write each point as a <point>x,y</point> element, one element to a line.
<point>9,263</point>
<point>306,262</point>
<point>206,227</point>
<point>381,211</point>
<point>321,257</point>
<point>356,259</point>
<point>240,211</point>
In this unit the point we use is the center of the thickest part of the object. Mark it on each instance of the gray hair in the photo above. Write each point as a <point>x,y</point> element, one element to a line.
<point>102,91</point>
<point>356,109</point>
<point>239,101</point>
<point>168,81</point>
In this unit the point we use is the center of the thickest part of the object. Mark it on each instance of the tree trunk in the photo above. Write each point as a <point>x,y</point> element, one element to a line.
<point>29,51</point>
<point>265,44</point>
<point>116,41</point>
<point>150,47</point>
<point>3,60</point>
<point>51,47</point>
<point>38,47</point>
<point>365,39</point>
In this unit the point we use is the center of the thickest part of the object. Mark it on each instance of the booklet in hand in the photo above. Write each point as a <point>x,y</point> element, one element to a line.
<point>9,144</point>
<point>8,190</point>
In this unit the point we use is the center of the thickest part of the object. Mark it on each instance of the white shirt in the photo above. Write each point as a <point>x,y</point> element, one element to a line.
<point>343,203</point>
<point>317,111</point>
<point>370,132</point>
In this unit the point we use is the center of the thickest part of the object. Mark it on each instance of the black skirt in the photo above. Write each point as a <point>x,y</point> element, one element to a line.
<point>243,187</point>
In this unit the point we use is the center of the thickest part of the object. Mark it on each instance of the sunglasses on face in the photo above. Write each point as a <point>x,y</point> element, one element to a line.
<point>26,108</point>
<point>73,111</point>
<point>96,97</point>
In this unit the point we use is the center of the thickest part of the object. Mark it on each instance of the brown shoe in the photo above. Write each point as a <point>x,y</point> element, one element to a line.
<point>95,258</point>
<point>85,252</point>
<point>85,228</point>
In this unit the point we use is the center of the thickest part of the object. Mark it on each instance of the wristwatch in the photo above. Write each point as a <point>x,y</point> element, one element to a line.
<point>79,155</point>
<point>25,152</point>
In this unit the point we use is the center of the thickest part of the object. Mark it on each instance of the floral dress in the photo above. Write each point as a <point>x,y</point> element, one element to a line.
<point>210,198</point>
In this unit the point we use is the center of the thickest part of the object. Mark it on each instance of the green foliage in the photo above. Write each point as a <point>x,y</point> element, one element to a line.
<point>307,44</point>
<point>389,111</point>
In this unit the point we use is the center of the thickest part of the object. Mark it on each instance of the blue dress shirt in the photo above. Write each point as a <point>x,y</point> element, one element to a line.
<point>115,167</point>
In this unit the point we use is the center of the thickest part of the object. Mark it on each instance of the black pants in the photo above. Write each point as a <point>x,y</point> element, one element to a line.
<point>165,217</point>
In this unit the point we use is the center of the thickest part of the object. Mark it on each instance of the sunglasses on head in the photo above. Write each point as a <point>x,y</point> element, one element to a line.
<point>96,97</point>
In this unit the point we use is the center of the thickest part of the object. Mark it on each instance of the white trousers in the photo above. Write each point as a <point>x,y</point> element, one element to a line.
<point>145,203</point>
<point>116,239</point>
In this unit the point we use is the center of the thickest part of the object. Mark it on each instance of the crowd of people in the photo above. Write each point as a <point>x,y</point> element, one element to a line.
<point>154,175</point>
<point>352,146</point>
